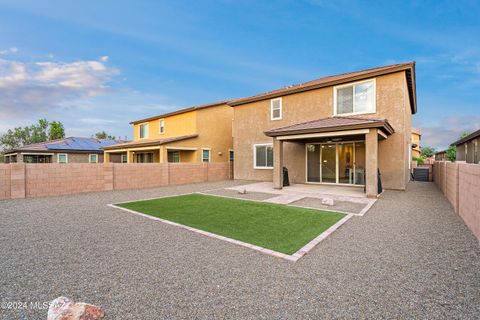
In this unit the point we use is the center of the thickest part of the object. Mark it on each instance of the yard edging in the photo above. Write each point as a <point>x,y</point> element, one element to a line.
<point>293,258</point>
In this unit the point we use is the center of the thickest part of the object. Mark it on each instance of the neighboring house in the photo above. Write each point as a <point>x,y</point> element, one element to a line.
<point>441,155</point>
<point>66,150</point>
<point>335,130</point>
<point>468,148</point>
<point>196,134</point>
<point>416,137</point>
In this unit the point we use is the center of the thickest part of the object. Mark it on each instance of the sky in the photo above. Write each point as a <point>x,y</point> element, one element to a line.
<point>97,65</point>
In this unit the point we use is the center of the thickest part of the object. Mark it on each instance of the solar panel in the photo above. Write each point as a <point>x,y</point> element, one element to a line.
<point>80,144</point>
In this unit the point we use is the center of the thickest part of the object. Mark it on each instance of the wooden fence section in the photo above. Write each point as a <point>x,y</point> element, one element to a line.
<point>21,180</point>
<point>460,183</point>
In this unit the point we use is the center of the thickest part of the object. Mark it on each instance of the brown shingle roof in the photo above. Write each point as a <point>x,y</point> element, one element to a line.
<point>202,106</point>
<point>147,143</point>
<point>408,67</point>
<point>336,123</point>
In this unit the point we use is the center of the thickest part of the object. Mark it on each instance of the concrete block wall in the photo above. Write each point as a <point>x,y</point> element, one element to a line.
<point>182,173</point>
<point>460,183</point>
<point>52,179</point>
<point>469,196</point>
<point>219,171</point>
<point>139,175</point>
<point>20,180</point>
<point>4,181</point>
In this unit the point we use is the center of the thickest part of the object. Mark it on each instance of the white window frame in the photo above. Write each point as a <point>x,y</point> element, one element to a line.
<point>209,154</point>
<point>121,158</point>
<point>255,156</point>
<point>96,158</point>
<point>140,130</point>
<point>374,93</point>
<point>271,109</point>
<point>60,154</point>
<point>179,159</point>
<point>161,126</point>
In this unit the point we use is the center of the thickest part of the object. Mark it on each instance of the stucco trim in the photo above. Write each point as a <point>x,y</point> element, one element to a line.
<point>323,134</point>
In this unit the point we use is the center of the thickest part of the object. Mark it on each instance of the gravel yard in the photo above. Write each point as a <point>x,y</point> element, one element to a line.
<point>411,256</point>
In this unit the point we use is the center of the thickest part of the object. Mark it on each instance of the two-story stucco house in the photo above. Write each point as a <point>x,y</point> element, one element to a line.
<point>416,137</point>
<point>196,134</point>
<point>335,130</point>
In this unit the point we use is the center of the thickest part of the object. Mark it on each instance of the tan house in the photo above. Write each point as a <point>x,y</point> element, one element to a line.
<point>416,137</point>
<point>335,130</point>
<point>468,148</point>
<point>196,134</point>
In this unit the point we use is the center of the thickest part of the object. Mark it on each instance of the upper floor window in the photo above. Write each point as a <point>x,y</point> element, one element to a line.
<point>354,98</point>
<point>144,131</point>
<point>276,109</point>
<point>162,126</point>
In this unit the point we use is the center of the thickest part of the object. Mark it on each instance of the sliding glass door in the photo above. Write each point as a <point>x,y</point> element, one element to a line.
<point>341,162</point>
<point>329,159</point>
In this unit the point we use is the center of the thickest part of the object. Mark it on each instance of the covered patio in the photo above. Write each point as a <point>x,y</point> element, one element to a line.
<point>340,151</point>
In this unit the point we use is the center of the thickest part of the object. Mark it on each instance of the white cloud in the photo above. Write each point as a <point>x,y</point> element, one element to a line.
<point>104,58</point>
<point>9,50</point>
<point>96,121</point>
<point>446,131</point>
<point>29,87</point>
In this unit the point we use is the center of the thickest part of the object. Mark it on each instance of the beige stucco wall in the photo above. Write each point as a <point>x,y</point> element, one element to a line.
<point>392,103</point>
<point>416,140</point>
<point>176,125</point>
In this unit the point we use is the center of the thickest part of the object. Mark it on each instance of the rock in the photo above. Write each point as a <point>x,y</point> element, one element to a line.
<point>63,308</point>
<point>244,191</point>
<point>327,201</point>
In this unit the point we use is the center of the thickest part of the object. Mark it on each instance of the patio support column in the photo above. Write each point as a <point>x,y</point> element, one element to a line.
<point>163,154</point>
<point>106,157</point>
<point>130,156</point>
<point>371,154</point>
<point>277,163</point>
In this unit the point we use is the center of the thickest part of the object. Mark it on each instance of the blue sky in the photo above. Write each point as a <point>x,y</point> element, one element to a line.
<point>96,65</point>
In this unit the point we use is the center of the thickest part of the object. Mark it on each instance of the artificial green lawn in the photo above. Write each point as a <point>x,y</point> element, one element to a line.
<point>277,227</point>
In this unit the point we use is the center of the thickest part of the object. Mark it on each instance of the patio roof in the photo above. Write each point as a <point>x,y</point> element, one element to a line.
<point>148,143</point>
<point>329,124</point>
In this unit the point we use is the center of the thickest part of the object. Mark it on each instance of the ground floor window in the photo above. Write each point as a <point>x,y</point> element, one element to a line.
<point>62,158</point>
<point>37,158</point>
<point>124,158</point>
<point>263,156</point>
<point>174,156</point>
<point>205,155</point>
<point>93,158</point>
<point>145,157</point>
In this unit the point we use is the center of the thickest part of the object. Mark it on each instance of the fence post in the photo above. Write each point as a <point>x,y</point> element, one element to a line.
<point>17,180</point>
<point>457,187</point>
<point>108,176</point>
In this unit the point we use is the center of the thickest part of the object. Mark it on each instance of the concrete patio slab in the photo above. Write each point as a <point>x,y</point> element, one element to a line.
<point>346,199</point>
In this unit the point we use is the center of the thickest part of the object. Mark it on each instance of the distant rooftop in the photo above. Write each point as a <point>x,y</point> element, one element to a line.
<point>69,144</point>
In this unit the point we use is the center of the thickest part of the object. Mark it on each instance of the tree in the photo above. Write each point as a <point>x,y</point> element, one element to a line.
<point>104,135</point>
<point>427,152</point>
<point>56,131</point>
<point>451,153</point>
<point>35,133</point>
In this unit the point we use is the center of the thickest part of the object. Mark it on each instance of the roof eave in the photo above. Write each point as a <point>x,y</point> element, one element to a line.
<point>385,127</point>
